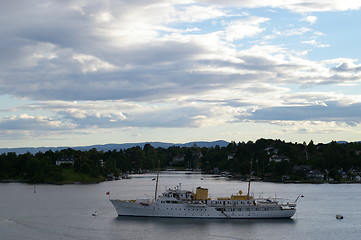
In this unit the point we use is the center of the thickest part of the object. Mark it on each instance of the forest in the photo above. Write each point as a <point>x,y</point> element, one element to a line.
<point>264,159</point>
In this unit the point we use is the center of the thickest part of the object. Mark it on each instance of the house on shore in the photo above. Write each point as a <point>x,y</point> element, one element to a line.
<point>65,160</point>
<point>315,175</point>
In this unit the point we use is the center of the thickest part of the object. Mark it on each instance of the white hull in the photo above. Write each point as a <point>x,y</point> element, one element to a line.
<point>191,210</point>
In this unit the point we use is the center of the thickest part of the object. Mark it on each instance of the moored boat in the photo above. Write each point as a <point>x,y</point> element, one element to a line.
<point>178,203</point>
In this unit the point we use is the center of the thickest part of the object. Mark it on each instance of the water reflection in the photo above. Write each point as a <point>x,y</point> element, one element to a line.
<point>187,228</point>
<point>198,221</point>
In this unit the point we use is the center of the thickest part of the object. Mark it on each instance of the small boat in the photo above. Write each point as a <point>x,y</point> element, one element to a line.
<point>339,216</point>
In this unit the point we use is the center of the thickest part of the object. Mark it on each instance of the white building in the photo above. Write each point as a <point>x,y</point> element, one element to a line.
<point>65,160</point>
<point>279,158</point>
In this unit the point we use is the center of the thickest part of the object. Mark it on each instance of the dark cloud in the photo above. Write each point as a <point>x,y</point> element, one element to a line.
<point>331,111</point>
<point>345,67</point>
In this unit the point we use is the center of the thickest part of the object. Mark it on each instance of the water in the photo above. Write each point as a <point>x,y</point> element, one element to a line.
<point>65,211</point>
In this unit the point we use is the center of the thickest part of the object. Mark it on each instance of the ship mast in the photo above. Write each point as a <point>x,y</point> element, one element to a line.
<point>249,181</point>
<point>156,183</point>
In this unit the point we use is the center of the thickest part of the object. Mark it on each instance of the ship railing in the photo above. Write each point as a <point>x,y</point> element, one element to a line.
<point>273,200</point>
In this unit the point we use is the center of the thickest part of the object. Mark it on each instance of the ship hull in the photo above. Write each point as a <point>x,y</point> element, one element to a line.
<point>155,209</point>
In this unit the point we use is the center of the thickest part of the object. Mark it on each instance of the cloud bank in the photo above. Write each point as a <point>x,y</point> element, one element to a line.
<point>168,64</point>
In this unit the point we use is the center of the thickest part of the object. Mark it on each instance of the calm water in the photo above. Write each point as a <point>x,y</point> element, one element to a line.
<point>65,212</point>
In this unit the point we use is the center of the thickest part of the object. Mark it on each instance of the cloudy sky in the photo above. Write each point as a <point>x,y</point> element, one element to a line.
<point>80,72</point>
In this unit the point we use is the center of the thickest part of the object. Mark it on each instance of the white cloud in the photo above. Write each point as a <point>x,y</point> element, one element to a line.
<point>292,32</point>
<point>316,44</point>
<point>34,123</point>
<point>244,28</point>
<point>92,64</point>
<point>310,19</point>
<point>195,13</point>
<point>301,6</point>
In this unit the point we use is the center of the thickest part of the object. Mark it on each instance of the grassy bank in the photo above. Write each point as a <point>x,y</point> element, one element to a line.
<point>70,176</point>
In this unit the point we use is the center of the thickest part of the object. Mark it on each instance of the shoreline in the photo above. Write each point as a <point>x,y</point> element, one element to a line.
<point>97,182</point>
<point>49,183</point>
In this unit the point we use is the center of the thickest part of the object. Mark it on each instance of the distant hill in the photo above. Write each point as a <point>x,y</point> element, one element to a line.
<point>112,146</point>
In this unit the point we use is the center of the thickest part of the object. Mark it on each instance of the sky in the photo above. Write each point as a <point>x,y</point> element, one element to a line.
<point>80,72</point>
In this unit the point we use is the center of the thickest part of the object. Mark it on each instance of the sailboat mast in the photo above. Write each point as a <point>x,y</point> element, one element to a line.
<point>156,183</point>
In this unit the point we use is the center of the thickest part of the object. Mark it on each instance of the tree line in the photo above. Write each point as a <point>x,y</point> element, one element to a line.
<point>238,159</point>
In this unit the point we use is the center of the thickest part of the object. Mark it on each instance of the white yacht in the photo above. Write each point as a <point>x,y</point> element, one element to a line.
<point>178,203</point>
